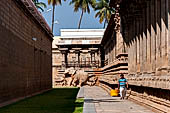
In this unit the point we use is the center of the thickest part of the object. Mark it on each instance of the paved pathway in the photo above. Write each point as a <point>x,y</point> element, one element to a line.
<point>98,100</point>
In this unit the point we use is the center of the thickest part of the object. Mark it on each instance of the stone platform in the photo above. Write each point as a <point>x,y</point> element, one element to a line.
<point>98,100</point>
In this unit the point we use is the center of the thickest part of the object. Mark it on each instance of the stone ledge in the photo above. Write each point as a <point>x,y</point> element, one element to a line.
<point>162,82</point>
<point>152,102</point>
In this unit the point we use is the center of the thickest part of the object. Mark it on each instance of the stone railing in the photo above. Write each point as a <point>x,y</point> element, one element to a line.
<point>81,64</point>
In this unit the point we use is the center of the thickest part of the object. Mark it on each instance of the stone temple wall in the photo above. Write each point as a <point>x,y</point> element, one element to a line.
<point>149,66</point>
<point>25,51</point>
<point>149,45</point>
<point>145,30</point>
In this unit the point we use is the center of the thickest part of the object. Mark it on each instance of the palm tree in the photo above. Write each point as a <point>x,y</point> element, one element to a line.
<point>84,6</point>
<point>104,11</point>
<point>39,5</point>
<point>54,2</point>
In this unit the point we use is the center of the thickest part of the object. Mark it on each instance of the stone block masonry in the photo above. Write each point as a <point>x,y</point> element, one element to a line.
<point>25,64</point>
<point>145,33</point>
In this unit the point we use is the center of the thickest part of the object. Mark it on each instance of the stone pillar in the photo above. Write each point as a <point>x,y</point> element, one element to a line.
<point>64,58</point>
<point>77,52</point>
<point>138,45</point>
<point>149,38</point>
<point>145,39</point>
<point>102,56</point>
<point>96,56</point>
<point>135,47</point>
<point>166,31</point>
<point>129,52</point>
<point>163,33</point>
<point>133,59</point>
<point>158,38</point>
<point>168,8</point>
<point>141,44</point>
<point>153,36</point>
<point>92,56</point>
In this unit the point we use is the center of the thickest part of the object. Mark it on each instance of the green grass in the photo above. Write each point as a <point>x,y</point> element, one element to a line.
<point>79,106</point>
<point>59,100</point>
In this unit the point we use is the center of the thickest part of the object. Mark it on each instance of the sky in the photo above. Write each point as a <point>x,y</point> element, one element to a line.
<point>68,19</point>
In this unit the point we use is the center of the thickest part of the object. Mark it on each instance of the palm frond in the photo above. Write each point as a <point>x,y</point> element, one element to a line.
<point>39,5</point>
<point>55,2</point>
<point>104,11</point>
<point>84,5</point>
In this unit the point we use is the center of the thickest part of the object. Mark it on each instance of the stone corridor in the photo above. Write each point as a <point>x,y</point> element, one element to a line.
<point>98,100</point>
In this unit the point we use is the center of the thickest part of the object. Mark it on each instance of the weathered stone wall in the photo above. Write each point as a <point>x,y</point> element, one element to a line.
<point>144,27</point>
<point>146,33</point>
<point>149,46</point>
<point>25,65</point>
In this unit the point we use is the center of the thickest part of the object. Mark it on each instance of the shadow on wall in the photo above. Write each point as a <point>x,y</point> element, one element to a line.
<point>155,92</point>
<point>144,14</point>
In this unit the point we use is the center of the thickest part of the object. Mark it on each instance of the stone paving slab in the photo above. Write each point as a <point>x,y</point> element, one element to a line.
<point>89,106</point>
<point>98,100</point>
<point>81,93</point>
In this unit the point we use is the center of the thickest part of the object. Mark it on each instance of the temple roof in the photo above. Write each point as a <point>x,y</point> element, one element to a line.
<point>79,37</point>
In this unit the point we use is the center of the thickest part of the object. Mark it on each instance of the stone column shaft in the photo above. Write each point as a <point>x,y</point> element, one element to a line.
<point>138,46</point>
<point>141,44</point>
<point>149,40</point>
<point>64,58</point>
<point>168,8</point>
<point>144,39</point>
<point>163,32</point>
<point>158,44</point>
<point>153,35</point>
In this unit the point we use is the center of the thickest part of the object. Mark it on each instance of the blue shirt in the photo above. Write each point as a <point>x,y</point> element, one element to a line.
<point>122,82</point>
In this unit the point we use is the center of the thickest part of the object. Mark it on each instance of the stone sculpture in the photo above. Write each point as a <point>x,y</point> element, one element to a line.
<point>79,77</point>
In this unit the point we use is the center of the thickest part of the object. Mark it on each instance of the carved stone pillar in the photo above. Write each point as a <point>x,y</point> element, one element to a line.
<point>158,44</point>
<point>92,56</point>
<point>64,58</point>
<point>138,45</point>
<point>153,36</point>
<point>168,8</point>
<point>141,45</point>
<point>77,54</point>
<point>163,28</point>
<point>64,52</point>
<point>148,65</point>
<point>93,53</point>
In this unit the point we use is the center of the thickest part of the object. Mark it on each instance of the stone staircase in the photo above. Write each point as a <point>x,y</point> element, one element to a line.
<point>58,78</point>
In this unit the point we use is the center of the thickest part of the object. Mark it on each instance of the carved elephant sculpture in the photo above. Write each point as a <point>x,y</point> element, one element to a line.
<point>69,75</point>
<point>80,77</point>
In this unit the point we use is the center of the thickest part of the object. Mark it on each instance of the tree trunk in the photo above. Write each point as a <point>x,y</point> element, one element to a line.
<point>53,18</point>
<point>80,19</point>
<point>104,23</point>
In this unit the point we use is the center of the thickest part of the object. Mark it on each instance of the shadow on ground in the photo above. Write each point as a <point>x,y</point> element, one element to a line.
<point>59,100</point>
<point>100,100</point>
